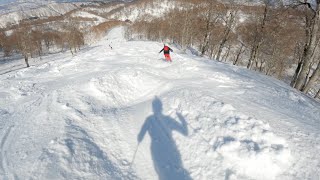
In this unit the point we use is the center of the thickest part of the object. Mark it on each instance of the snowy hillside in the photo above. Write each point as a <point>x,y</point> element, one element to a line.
<point>146,10</point>
<point>13,14</point>
<point>124,113</point>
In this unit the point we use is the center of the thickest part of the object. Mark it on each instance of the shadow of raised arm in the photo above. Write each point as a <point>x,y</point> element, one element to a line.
<point>184,125</point>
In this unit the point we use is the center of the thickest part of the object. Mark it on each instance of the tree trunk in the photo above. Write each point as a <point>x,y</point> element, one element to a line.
<point>235,62</point>
<point>26,60</point>
<point>209,23</point>
<point>227,54</point>
<point>312,29</point>
<point>253,55</point>
<point>318,94</point>
<point>268,71</point>
<point>204,46</point>
<point>205,42</point>
<point>71,50</point>
<point>212,51</point>
<point>185,31</point>
<point>226,35</point>
<point>313,79</point>
<point>306,79</point>
<point>250,59</point>
<point>258,38</point>
<point>261,66</point>
<point>295,76</point>
<point>220,49</point>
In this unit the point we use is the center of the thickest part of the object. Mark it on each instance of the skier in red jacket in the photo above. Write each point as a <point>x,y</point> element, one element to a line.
<point>166,51</point>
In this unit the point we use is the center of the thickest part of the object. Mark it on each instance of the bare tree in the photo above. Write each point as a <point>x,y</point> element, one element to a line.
<point>24,44</point>
<point>9,44</point>
<point>258,36</point>
<point>241,50</point>
<point>2,39</point>
<point>74,37</point>
<point>230,20</point>
<point>313,79</point>
<point>298,56</point>
<point>317,94</point>
<point>210,18</point>
<point>312,24</point>
<point>36,38</point>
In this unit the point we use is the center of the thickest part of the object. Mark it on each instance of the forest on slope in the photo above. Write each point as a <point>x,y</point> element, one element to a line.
<point>277,39</point>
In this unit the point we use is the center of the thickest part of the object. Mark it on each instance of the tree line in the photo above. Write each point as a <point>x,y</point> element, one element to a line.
<point>271,38</point>
<point>30,41</point>
<point>33,39</point>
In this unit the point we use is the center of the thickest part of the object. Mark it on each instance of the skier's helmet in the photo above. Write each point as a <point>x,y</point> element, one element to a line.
<point>157,105</point>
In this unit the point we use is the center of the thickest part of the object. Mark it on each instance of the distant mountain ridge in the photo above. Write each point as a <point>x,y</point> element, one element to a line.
<point>12,11</point>
<point>4,2</point>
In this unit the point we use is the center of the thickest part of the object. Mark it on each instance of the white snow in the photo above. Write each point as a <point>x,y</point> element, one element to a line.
<point>127,114</point>
<point>13,13</point>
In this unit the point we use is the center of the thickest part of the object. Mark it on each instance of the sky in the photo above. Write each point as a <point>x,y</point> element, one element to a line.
<point>6,1</point>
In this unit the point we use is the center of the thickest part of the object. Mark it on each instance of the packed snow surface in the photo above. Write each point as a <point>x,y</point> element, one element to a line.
<point>125,113</point>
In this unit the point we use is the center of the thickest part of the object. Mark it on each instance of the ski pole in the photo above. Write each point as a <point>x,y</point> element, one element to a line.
<point>134,156</point>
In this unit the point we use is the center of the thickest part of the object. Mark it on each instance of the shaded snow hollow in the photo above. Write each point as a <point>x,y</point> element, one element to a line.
<point>126,114</point>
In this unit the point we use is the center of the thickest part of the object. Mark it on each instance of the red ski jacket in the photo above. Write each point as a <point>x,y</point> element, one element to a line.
<point>166,50</point>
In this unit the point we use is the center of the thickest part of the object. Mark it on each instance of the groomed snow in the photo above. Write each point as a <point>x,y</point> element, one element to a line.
<point>125,113</point>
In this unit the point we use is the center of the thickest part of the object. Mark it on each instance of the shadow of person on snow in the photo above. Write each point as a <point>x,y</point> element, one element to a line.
<point>166,157</point>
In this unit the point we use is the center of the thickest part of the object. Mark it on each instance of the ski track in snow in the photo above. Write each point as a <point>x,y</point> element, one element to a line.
<point>80,117</point>
<point>3,151</point>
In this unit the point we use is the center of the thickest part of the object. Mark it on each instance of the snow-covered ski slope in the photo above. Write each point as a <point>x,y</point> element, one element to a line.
<point>127,114</point>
